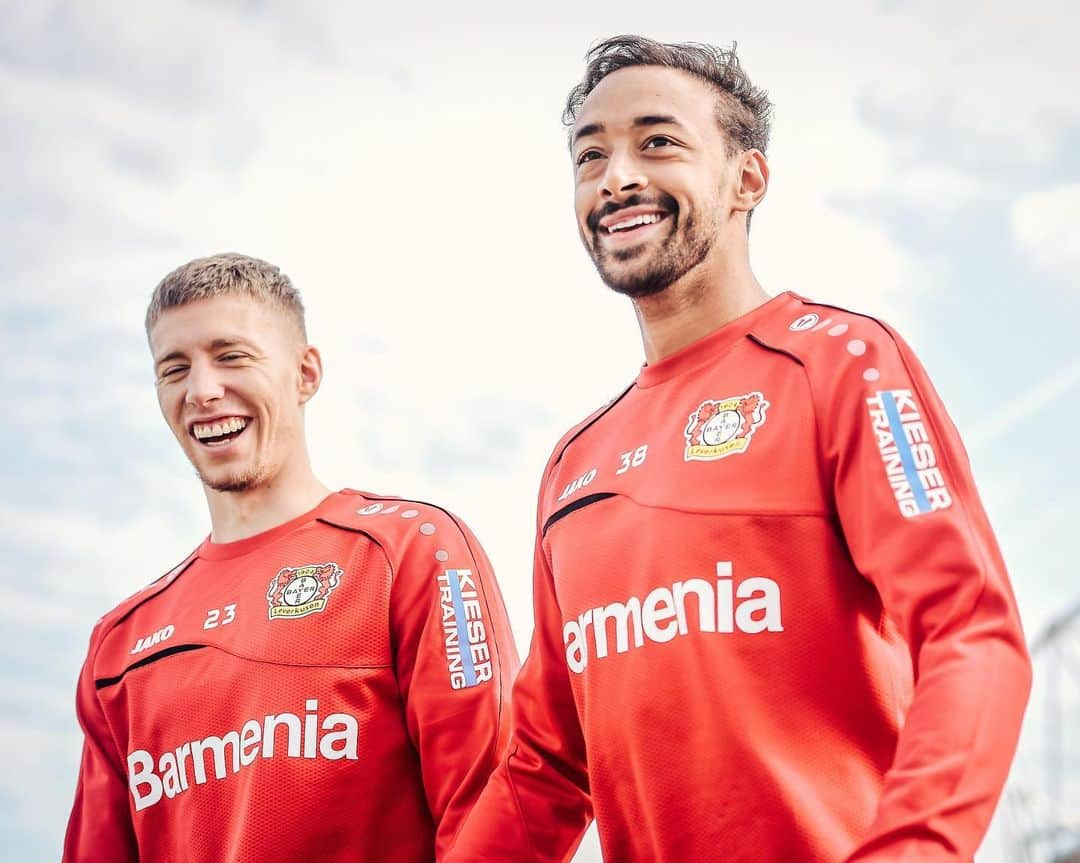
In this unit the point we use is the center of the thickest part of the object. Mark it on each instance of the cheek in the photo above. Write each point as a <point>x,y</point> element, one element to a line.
<point>168,404</point>
<point>281,396</point>
<point>725,183</point>
<point>701,200</point>
<point>584,199</point>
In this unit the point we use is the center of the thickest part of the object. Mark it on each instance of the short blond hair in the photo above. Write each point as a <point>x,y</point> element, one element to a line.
<point>221,275</point>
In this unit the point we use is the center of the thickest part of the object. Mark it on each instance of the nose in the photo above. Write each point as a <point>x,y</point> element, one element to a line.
<point>203,385</point>
<point>623,177</point>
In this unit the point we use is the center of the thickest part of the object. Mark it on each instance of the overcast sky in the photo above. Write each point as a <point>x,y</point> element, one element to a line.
<point>408,169</point>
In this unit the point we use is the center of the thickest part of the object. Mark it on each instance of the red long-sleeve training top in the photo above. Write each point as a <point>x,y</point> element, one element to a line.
<point>333,689</point>
<point>772,622</point>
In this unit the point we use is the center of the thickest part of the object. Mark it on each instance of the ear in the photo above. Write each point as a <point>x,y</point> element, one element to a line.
<point>751,179</point>
<point>311,372</point>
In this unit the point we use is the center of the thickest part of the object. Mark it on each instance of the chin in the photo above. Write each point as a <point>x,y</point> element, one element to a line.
<point>232,485</point>
<point>636,282</point>
<point>234,481</point>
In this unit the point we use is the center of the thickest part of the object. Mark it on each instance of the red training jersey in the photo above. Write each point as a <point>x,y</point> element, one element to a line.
<point>333,689</point>
<point>772,623</point>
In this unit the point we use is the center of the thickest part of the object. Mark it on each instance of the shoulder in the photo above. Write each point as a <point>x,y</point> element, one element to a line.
<point>814,333</point>
<point>401,526</point>
<point>127,606</point>
<point>122,611</point>
<point>576,431</point>
<point>835,345</point>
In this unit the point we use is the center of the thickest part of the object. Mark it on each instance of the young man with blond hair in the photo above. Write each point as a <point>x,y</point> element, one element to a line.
<point>325,677</point>
<point>772,622</point>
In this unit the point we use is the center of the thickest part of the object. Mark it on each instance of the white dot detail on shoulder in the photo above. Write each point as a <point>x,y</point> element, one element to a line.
<point>838,330</point>
<point>371,509</point>
<point>871,375</point>
<point>390,509</point>
<point>410,513</point>
<point>803,323</point>
<point>856,347</point>
<point>427,528</point>
<point>442,555</point>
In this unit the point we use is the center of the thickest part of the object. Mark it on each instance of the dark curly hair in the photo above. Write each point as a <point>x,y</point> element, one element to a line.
<point>743,110</point>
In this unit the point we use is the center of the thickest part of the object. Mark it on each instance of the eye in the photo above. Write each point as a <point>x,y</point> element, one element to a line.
<point>588,156</point>
<point>659,141</point>
<point>231,356</point>
<point>172,372</point>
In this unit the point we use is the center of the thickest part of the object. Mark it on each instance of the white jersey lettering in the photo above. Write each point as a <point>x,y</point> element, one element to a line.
<point>751,606</point>
<point>234,750</point>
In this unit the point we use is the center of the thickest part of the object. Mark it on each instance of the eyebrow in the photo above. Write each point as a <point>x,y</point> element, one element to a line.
<point>656,120</point>
<point>215,345</point>
<point>586,130</point>
<point>638,122</point>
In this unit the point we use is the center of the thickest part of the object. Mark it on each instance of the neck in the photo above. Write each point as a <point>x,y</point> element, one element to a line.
<point>293,491</point>
<point>709,296</point>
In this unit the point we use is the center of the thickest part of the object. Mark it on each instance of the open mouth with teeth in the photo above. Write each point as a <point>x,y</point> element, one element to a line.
<point>219,432</point>
<point>634,223</point>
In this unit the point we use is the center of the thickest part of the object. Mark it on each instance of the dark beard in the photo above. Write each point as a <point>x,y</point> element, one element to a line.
<point>683,249</point>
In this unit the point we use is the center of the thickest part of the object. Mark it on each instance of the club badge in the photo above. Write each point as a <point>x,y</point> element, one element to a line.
<point>297,591</point>
<point>724,427</point>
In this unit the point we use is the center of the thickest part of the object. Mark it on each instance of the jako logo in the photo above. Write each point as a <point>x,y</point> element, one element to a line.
<point>662,615</point>
<point>163,634</point>
<point>254,738</point>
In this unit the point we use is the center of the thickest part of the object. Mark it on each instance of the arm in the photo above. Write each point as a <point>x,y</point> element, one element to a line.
<point>100,825</point>
<point>915,527</point>
<point>536,807</point>
<point>455,695</point>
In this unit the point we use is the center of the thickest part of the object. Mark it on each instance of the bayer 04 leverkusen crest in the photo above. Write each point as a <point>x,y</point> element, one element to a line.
<point>297,591</point>
<point>723,427</point>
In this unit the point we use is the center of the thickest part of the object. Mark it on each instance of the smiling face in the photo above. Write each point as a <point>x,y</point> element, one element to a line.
<point>232,376</point>
<point>653,176</point>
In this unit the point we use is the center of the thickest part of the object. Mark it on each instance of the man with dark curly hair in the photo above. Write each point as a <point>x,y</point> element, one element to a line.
<point>772,622</point>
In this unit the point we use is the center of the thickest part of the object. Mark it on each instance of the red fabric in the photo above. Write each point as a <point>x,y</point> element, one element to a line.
<point>755,640</point>
<point>298,700</point>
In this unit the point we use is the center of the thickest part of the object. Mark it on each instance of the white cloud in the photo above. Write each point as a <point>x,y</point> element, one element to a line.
<point>113,558</point>
<point>1047,226</point>
<point>942,188</point>
<point>840,259</point>
<point>36,788</point>
<point>978,82</point>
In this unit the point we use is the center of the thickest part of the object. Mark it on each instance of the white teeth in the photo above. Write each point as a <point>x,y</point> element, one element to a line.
<point>228,426</point>
<point>649,219</point>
